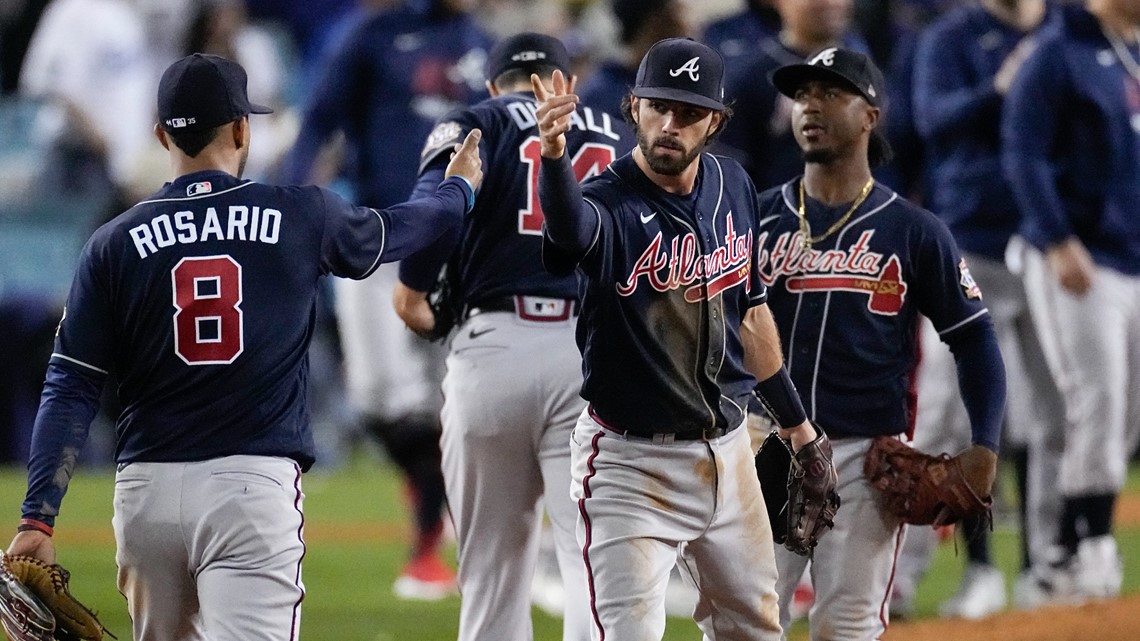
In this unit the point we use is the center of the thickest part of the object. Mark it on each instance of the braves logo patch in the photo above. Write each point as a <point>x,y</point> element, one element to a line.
<point>966,280</point>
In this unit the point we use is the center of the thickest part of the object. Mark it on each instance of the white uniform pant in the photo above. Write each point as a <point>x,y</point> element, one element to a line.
<point>645,507</point>
<point>853,564</point>
<point>1092,345</point>
<point>211,550</point>
<point>512,400</point>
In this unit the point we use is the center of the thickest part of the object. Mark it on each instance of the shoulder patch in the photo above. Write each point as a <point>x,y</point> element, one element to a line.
<point>444,135</point>
<point>966,280</point>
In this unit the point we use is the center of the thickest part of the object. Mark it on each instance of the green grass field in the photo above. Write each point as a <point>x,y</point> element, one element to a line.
<point>356,533</point>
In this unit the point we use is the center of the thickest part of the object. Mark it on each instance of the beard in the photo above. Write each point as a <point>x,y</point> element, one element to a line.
<point>663,165</point>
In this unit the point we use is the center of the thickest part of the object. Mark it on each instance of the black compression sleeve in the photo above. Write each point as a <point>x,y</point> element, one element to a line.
<point>570,222</point>
<point>981,379</point>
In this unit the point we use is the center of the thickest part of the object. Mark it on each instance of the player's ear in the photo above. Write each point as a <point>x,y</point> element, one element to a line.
<point>163,140</point>
<point>492,89</point>
<point>873,114</point>
<point>633,101</point>
<point>716,123</point>
<point>239,129</point>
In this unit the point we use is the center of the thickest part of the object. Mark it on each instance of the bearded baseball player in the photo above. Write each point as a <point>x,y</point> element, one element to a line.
<point>514,372</point>
<point>849,266</point>
<point>201,299</point>
<point>674,332</point>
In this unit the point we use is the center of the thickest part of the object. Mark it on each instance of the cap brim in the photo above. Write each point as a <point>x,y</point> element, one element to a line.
<point>259,109</point>
<point>787,79</point>
<point>680,95</point>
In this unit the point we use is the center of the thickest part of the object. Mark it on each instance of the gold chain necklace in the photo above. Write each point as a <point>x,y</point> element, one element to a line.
<point>805,227</point>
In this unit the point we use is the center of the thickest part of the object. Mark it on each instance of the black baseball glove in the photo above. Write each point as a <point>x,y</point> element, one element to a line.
<point>443,308</point>
<point>799,490</point>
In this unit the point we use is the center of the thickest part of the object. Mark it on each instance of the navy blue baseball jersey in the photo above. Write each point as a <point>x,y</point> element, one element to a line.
<point>499,252</point>
<point>847,308</point>
<point>384,85</point>
<point>670,279</point>
<point>1071,141</point>
<point>201,300</point>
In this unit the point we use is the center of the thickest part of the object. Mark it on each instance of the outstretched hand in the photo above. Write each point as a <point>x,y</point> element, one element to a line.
<point>465,160</point>
<point>553,113</point>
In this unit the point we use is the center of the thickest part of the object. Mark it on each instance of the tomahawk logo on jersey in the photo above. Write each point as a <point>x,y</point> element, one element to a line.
<point>853,298</point>
<point>501,255</point>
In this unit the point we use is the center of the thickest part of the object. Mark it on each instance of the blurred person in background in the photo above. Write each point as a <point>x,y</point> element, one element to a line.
<point>1071,151</point>
<point>760,136</point>
<point>964,65</point>
<point>736,35</point>
<point>640,23</point>
<point>222,28</point>
<point>383,84</point>
<point>91,57</point>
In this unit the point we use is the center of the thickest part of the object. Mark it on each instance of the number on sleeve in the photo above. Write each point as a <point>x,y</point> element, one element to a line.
<point>208,326</point>
<point>590,160</point>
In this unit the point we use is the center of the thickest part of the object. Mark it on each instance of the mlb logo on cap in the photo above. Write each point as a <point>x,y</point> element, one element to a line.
<point>684,70</point>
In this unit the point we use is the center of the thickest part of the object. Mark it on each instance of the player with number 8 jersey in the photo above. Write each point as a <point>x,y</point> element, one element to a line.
<point>201,301</point>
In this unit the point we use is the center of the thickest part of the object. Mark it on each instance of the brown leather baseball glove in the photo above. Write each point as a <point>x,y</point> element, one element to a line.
<point>928,490</point>
<point>67,618</point>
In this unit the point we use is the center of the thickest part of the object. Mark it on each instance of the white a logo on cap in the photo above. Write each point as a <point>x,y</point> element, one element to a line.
<point>691,67</point>
<point>825,57</point>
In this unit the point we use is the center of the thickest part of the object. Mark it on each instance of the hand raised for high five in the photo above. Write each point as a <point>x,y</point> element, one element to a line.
<point>553,113</point>
<point>465,160</point>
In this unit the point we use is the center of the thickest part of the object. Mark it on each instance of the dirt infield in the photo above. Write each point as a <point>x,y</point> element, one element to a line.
<point>1117,620</point>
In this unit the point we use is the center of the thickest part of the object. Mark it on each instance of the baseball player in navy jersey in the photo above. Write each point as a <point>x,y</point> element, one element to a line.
<point>513,375</point>
<point>849,266</point>
<point>201,300</point>
<point>674,332</point>
<point>1071,151</point>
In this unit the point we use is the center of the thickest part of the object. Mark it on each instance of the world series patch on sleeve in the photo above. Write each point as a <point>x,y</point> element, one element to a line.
<point>36,603</point>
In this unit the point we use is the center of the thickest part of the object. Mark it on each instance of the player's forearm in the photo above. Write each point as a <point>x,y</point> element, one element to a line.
<point>981,379</point>
<point>418,223</point>
<point>774,389</point>
<point>570,222</point>
<point>67,406</point>
<point>420,270</point>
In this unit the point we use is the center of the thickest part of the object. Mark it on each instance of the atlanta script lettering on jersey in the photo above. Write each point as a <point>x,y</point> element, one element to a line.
<point>683,264</point>
<point>855,269</point>
<point>241,223</point>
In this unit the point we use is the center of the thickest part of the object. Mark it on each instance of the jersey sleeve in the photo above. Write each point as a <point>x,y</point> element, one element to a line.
<point>948,97</point>
<point>354,237</point>
<point>945,291</point>
<point>85,335</point>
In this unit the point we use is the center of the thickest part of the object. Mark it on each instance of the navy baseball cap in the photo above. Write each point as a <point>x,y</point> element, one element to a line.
<point>203,91</point>
<point>525,50</point>
<point>848,67</point>
<point>684,70</point>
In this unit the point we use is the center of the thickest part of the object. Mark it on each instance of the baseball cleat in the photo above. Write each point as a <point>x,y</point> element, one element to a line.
<point>981,594</point>
<point>425,578</point>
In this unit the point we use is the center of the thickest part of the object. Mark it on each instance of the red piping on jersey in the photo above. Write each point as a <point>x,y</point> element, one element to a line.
<point>300,537</point>
<point>884,617</point>
<point>586,521</point>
